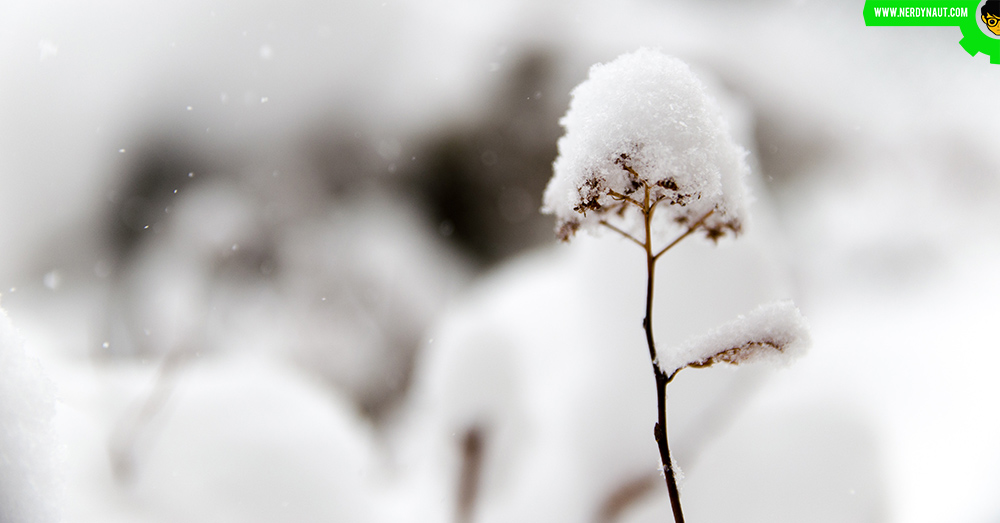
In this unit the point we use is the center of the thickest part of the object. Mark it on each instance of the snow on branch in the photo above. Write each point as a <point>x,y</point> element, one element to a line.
<point>774,331</point>
<point>644,123</point>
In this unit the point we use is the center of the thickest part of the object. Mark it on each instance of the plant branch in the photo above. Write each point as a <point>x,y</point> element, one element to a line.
<point>687,233</point>
<point>662,379</point>
<point>621,197</point>
<point>655,202</point>
<point>660,428</point>
<point>137,426</point>
<point>623,233</point>
<point>631,171</point>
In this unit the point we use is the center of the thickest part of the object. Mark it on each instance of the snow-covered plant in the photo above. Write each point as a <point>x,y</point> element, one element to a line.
<point>647,155</point>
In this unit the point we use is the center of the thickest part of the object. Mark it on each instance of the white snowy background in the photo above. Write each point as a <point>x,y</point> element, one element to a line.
<point>282,261</point>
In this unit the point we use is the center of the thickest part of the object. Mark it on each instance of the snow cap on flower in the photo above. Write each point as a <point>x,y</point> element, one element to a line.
<point>773,331</point>
<point>643,121</point>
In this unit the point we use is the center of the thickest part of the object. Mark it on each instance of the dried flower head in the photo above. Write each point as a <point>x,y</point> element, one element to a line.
<point>640,124</point>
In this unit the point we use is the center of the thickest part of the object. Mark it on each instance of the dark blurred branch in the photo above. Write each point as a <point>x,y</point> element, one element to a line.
<point>125,440</point>
<point>625,496</point>
<point>472,466</point>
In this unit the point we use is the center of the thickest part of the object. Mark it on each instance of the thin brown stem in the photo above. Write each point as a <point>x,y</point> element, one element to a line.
<point>653,205</point>
<point>621,197</point>
<point>647,322</point>
<point>623,233</point>
<point>687,233</point>
<point>662,379</point>
<point>629,168</point>
<point>660,428</point>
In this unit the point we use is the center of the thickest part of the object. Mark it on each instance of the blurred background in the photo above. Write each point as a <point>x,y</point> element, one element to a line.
<point>283,261</point>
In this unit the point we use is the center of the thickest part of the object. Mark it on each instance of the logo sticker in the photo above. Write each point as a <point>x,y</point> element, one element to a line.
<point>979,20</point>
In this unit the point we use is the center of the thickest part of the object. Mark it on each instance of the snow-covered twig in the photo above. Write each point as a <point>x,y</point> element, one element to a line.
<point>643,136</point>
<point>773,331</point>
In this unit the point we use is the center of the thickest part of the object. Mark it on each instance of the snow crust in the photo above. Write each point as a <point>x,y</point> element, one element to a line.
<point>645,119</point>
<point>773,331</point>
<point>26,410</point>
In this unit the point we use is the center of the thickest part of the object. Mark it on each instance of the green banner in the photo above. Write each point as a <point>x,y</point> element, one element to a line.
<point>903,12</point>
<point>979,20</point>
